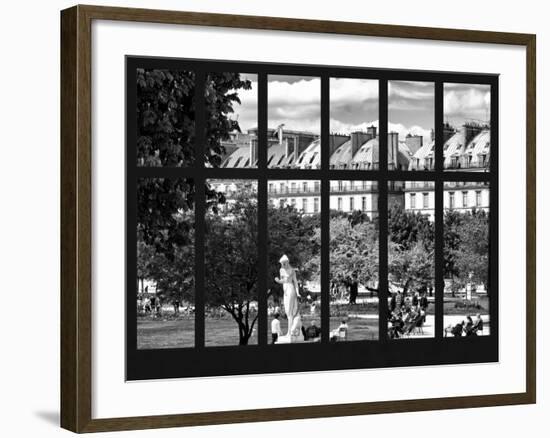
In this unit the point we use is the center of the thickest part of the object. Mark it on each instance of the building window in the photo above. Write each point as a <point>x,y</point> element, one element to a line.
<point>304,205</point>
<point>465,199</point>
<point>351,203</point>
<point>451,200</point>
<point>293,202</point>
<point>478,198</point>
<point>270,187</point>
<point>292,187</point>
<point>317,186</point>
<point>304,187</point>
<point>315,205</point>
<point>364,203</point>
<point>340,204</point>
<point>413,201</point>
<point>340,185</point>
<point>426,200</point>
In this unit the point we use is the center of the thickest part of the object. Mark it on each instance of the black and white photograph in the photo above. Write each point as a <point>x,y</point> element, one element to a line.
<point>256,245</point>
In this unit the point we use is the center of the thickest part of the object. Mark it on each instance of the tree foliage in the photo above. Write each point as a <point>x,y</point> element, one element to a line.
<point>166,137</point>
<point>353,250</point>
<point>297,235</point>
<point>467,248</point>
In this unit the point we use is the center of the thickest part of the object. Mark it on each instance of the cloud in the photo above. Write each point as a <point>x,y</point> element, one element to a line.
<point>405,95</point>
<point>463,102</point>
<point>247,112</point>
<point>402,130</point>
<point>297,104</point>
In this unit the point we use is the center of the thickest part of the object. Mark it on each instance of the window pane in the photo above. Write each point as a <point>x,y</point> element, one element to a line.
<point>231,262</point>
<point>411,121</point>
<point>231,120</point>
<point>467,131</point>
<point>411,269</point>
<point>294,265</point>
<point>466,252</point>
<point>353,124</point>
<point>354,261</point>
<point>165,117</point>
<point>165,263</point>
<point>294,122</point>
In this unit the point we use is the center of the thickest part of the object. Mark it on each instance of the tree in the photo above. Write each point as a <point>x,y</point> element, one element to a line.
<point>166,137</point>
<point>407,228</point>
<point>231,262</point>
<point>410,268</point>
<point>353,250</point>
<point>410,250</point>
<point>468,252</point>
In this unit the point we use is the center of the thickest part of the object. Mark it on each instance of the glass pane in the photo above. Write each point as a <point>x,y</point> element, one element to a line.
<point>165,263</point>
<point>294,264</point>
<point>231,120</point>
<point>467,131</point>
<point>353,124</point>
<point>411,121</point>
<point>294,122</point>
<point>353,260</point>
<point>411,269</point>
<point>165,117</point>
<point>231,262</point>
<point>466,252</point>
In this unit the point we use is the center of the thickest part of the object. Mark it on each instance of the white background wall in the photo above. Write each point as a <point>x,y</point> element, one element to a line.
<point>29,184</point>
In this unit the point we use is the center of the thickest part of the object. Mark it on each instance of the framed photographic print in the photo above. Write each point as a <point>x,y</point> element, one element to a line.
<point>332,212</point>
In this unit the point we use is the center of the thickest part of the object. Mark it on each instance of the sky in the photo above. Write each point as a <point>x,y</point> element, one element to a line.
<point>295,101</point>
<point>466,102</point>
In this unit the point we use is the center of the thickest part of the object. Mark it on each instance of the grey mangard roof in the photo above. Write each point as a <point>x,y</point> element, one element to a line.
<point>366,156</point>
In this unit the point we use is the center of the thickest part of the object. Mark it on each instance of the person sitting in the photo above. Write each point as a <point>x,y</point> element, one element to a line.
<point>478,324</point>
<point>457,330</point>
<point>469,327</point>
<point>397,324</point>
<point>311,332</point>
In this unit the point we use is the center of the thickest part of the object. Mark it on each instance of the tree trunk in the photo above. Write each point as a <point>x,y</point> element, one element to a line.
<point>244,335</point>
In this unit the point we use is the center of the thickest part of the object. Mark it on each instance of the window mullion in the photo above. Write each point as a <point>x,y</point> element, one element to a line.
<point>383,211</point>
<point>262,209</point>
<point>200,206</point>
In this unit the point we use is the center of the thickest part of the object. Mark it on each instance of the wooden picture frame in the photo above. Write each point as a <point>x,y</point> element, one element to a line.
<point>76,218</point>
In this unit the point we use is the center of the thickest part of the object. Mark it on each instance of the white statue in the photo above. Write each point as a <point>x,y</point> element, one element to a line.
<point>290,300</point>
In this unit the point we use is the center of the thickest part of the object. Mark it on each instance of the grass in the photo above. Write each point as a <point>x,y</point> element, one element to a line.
<point>157,333</point>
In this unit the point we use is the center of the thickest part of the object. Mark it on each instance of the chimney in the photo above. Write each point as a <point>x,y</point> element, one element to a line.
<point>393,140</point>
<point>358,138</point>
<point>371,130</point>
<point>253,150</point>
<point>470,130</point>
<point>448,132</point>
<point>413,142</point>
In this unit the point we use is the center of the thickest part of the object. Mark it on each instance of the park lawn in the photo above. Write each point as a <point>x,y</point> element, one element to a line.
<point>158,333</point>
<point>153,333</point>
<point>459,306</point>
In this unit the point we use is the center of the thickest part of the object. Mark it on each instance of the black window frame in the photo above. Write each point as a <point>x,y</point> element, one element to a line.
<point>198,360</point>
